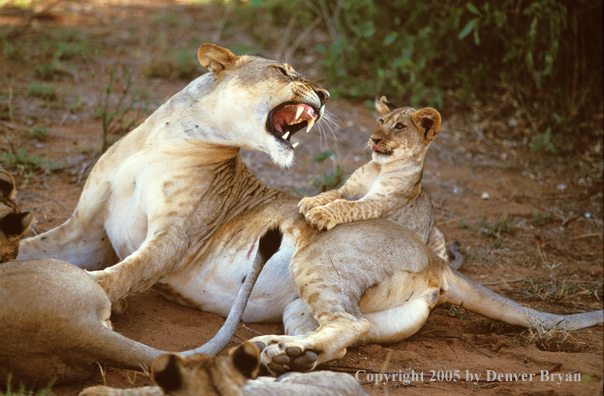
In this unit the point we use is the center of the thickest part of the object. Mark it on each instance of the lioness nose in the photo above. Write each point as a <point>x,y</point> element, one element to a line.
<point>376,140</point>
<point>322,94</point>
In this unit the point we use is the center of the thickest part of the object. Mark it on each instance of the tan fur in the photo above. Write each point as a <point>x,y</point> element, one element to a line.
<point>173,205</point>
<point>389,186</point>
<point>13,222</point>
<point>66,314</point>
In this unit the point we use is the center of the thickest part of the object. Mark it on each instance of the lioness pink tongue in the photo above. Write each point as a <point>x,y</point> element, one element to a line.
<point>293,114</point>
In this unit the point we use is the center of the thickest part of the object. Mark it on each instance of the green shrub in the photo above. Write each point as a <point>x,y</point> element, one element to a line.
<point>547,53</point>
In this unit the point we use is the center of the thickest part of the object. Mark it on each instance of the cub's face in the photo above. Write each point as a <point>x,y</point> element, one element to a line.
<point>263,102</point>
<point>205,374</point>
<point>404,133</point>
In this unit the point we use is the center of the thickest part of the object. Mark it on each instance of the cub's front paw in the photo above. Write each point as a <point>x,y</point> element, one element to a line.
<point>307,204</point>
<point>321,218</point>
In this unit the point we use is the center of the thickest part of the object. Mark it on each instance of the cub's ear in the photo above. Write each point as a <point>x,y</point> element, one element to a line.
<point>383,106</point>
<point>14,225</point>
<point>246,359</point>
<point>7,185</point>
<point>216,58</point>
<point>427,120</point>
<point>166,373</point>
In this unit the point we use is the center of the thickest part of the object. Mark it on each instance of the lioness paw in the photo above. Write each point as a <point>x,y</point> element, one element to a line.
<point>321,218</point>
<point>280,358</point>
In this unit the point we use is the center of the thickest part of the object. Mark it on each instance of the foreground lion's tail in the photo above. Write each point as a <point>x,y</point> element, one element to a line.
<point>477,298</point>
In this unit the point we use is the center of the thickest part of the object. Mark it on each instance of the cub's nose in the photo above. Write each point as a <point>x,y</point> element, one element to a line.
<point>322,94</point>
<point>376,140</point>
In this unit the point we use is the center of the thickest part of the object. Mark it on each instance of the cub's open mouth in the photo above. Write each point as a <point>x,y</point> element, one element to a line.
<point>378,150</point>
<point>288,118</point>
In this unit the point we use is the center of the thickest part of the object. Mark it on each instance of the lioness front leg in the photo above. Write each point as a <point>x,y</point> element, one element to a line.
<point>309,203</point>
<point>342,211</point>
<point>156,258</point>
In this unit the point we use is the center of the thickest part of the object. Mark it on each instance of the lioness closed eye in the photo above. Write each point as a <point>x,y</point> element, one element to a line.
<point>389,186</point>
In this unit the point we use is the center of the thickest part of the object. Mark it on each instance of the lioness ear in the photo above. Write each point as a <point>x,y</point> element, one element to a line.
<point>383,106</point>
<point>166,372</point>
<point>216,58</point>
<point>246,359</point>
<point>7,185</point>
<point>427,119</point>
<point>16,224</point>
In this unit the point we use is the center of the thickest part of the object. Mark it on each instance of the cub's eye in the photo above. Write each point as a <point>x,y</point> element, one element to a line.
<point>381,121</point>
<point>400,126</point>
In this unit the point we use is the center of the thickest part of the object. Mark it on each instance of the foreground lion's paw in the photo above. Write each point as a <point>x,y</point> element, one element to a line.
<point>279,358</point>
<point>321,218</point>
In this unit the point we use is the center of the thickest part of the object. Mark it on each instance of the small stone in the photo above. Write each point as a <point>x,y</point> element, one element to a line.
<point>485,195</point>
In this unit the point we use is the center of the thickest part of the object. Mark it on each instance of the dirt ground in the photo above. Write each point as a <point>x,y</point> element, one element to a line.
<point>530,224</point>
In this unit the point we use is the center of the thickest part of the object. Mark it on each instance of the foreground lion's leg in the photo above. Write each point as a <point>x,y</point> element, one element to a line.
<point>156,258</point>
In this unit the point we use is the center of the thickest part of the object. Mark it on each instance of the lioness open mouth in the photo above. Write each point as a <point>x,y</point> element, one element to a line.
<point>288,118</point>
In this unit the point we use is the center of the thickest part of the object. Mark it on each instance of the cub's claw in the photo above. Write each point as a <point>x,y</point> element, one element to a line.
<point>320,218</point>
<point>307,204</point>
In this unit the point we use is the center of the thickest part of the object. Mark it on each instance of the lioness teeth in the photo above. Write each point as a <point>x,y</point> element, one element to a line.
<point>311,122</point>
<point>295,144</point>
<point>286,135</point>
<point>299,110</point>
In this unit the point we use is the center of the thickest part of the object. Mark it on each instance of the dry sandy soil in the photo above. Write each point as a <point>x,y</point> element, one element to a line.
<point>546,253</point>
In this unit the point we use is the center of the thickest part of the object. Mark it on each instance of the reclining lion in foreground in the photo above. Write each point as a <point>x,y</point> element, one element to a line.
<point>172,206</point>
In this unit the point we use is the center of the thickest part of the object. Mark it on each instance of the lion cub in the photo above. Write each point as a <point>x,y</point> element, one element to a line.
<point>389,186</point>
<point>228,376</point>
<point>13,222</point>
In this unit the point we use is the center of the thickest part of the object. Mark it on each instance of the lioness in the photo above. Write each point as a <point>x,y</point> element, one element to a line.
<point>51,332</point>
<point>171,205</point>
<point>228,376</point>
<point>389,186</point>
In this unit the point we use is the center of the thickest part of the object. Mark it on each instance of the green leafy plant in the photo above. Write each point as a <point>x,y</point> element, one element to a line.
<point>543,52</point>
<point>21,162</point>
<point>22,391</point>
<point>330,180</point>
<point>43,91</point>
<point>119,107</point>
